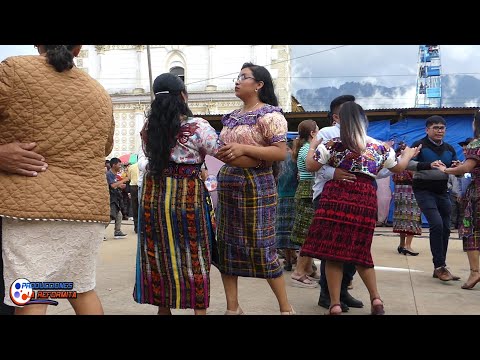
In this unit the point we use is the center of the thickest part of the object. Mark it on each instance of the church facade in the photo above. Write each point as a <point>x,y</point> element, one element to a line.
<point>208,72</point>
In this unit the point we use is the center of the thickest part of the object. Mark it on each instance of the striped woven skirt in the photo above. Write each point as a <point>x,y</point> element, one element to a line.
<point>304,211</point>
<point>246,210</point>
<point>176,240</point>
<point>344,222</point>
<point>469,229</point>
<point>284,223</point>
<point>407,215</point>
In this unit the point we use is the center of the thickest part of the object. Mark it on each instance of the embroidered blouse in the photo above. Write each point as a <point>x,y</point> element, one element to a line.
<point>473,152</point>
<point>261,127</point>
<point>375,157</point>
<point>195,139</point>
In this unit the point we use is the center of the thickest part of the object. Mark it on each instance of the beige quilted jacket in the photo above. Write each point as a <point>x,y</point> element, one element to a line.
<point>70,116</point>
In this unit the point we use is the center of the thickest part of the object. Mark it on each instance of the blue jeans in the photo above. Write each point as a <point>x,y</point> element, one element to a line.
<point>437,209</point>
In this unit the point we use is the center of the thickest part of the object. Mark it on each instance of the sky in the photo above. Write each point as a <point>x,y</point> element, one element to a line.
<point>315,66</point>
<point>373,63</point>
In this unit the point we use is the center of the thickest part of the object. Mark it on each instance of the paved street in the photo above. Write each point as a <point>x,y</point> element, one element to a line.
<point>405,283</point>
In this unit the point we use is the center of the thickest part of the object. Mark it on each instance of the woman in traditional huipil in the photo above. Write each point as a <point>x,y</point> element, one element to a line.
<point>469,230</point>
<point>342,229</point>
<point>407,220</point>
<point>247,198</point>
<point>304,276</point>
<point>176,224</point>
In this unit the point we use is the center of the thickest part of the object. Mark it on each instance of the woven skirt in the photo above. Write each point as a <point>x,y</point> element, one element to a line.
<point>407,215</point>
<point>469,229</point>
<point>303,211</point>
<point>344,222</point>
<point>284,223</point>
<point>176,240</point>
<point>246,210</point>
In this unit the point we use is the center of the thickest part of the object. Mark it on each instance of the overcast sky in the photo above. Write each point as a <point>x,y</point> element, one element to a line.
<point>372,63</point>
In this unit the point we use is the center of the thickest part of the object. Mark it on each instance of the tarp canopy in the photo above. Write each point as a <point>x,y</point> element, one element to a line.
<point>459,127</point>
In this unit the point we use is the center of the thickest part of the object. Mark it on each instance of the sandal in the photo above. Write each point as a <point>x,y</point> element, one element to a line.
<point>291,312</point>
<point>329,312</point>
<point>377,309</point>
<point>468,286</point>
<point>304,282</point>
<point>239,311</point>
<point>314,276</point>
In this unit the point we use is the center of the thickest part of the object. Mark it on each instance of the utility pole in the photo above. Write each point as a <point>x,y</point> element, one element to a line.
<point>150,72</point>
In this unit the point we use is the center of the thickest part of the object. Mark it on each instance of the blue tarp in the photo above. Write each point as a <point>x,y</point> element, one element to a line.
<point>459,128</point>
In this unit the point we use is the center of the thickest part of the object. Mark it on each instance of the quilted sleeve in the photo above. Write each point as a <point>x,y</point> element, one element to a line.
<point>109,144</point>
<point>6,84</point>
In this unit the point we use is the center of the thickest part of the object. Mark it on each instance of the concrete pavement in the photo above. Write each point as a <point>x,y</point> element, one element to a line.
<point>405,283</point>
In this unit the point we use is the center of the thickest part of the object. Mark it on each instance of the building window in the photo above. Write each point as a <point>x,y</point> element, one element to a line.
<point>179,71</point>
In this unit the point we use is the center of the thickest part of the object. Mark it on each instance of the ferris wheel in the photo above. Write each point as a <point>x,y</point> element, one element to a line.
<point>429,84</point>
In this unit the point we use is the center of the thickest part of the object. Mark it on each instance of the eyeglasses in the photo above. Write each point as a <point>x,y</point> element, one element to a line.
<point>438,128</point>
<point>242,77</point>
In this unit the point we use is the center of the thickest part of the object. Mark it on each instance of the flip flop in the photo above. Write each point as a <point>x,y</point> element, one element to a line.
<point>314,276</point>
<point>303,282</point>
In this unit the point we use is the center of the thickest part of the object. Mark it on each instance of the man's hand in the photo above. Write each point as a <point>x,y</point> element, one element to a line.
<point>19,158</point>
<point>343,175</point>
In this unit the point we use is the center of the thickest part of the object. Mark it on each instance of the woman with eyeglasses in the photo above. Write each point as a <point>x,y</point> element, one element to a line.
<point>247,197</point>
<point>176,225</point>
<point>344,221</point>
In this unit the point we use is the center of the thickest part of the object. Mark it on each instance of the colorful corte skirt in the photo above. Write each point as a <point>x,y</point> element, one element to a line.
<point>246,211</point>
<point>407,215</point>
<point>304,211</point>
<point>284,223</point>
<point>344,222</point>
<point>176,240</point>
<point>469,229</point>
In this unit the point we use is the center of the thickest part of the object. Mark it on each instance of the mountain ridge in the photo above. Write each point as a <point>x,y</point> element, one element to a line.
<point>457,91</point>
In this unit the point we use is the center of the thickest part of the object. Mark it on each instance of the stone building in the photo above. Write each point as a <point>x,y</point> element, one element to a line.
<point>208,71</point>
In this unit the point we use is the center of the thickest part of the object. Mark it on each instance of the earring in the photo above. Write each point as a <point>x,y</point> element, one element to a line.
<point>256,90</point>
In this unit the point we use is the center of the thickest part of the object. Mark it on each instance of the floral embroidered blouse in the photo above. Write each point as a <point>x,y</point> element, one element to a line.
<point>195,139</point>
<point>261,127</point>
<point>473,152</point>
<point>370,162</point>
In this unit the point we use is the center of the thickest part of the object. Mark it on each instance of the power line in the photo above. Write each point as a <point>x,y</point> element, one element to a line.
<point>273,63</point>
<point>227,77</point>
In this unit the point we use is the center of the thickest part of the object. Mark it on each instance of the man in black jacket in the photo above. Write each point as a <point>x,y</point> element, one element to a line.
<point>430,189</point>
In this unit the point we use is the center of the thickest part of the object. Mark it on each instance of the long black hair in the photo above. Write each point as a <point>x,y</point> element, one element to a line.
<point>163,121</point>
<point>266,94</point>
<point>60,56</point>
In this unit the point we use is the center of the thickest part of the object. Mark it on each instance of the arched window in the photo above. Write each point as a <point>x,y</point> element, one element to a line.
<point>179,71</point>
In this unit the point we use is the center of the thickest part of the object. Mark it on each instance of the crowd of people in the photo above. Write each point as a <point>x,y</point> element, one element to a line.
<point>321,204</point>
